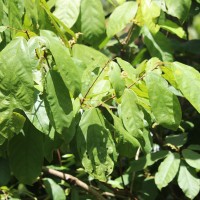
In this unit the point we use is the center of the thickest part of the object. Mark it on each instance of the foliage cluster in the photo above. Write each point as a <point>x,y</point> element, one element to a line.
<point>104,91</point>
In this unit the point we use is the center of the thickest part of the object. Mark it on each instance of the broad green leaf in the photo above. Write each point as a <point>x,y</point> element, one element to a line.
<point>128,68</point>
<point>188,82</point>
<point>120,17</point>
<point>38,116</point>
<point>116,80</point>
<point>188,181</point>
<point>179,8</point>
<point>94,61</point>
<point>158,45</point>
<point>192,158</point>
<point>92,21</point>
<point>15,14</point>
<point>16,86</point>
<point>58,102</point>
<point>95,145</point>
<point>132,115</point>
<point>167,170</point>
<point>54,191</point>
<point>64,63</point>
<point>176,140</point>
<point>165,107</point>
<point>147,15</point>
<point>67,11</point>
<point>147,160</point>
<point>26,154</point>
<point>3,28</point>
<point>173,28</point>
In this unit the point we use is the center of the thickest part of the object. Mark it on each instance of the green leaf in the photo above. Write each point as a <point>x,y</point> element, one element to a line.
<point>95,145</point>
<point>120,17</point>
<point>177,140</point>
<point>173,28</point>
<point>167,170</point>
<point>5,174</point>
<point>26,154</point>
<point>158,45</point>
<point>194,147</point>
<point>16,86</point>
<point>64,63</point>
<point>179,8</point>
<point>188,82</point>
<point>165,107</point>
<point>53,189</point>
<point>58,102</point>
<point>147,160</point>
<point>192,158</point>
<point>188,181</point>
<point>92,21</point>
<point>116,79</point>
<point>128,68</point>
<point>67,11</point>
<point>132,115</point>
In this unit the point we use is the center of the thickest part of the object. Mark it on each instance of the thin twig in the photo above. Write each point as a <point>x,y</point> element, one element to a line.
<point>74,181</point>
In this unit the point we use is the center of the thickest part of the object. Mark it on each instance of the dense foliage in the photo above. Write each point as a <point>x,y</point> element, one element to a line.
<point>99,99</point>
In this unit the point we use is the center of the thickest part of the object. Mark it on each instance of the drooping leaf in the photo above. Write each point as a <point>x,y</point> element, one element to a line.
<point>165,107</point>
<point>120,17</point>
<point>116,79</point>
<point>26,154</point>
<point>167,170</point>
<point>192,158</point>
<point>188,82</point>
<point>158,45</point>
<point>58,102</point>
<point>147,160</point>
<point>65,64</point>
<point>179,8</point>
<point>16,86</point>
<point>95,145</point>
<point>54,191</point>
<point>132,115</point>
<point>92,21</point>
<point>67,11</point>
<point>188,181</point>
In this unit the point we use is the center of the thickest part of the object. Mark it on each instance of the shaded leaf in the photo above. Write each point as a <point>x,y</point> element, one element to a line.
<point>192,158</point>
<point>26,154</point>
<point>120,17</point>
<point>165,107</point>
<point>188,181</point>
<point>167,170</point>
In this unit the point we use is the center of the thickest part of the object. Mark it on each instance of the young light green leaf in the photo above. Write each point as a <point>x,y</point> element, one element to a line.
<point>26,154</point>
<point>54,191</point>
<point>58,102</point>
<point>128,68</point>
<point>173,28</point>
<point>179,8</point>
<point>188,181</point>
<point>116,80</point>
<point>120,17</point>
<point>165,107</point>
<point>132,115</point>
<point>167,170</point>
<point>92,21</point>
<point>95,145</point>
<point>188,82</point>
<point>192,158</point>
<point>67,11</point>
<point>158,45</point>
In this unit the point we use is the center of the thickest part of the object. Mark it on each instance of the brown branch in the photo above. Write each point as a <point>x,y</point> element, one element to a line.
<point>74,181</point>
